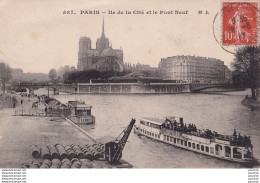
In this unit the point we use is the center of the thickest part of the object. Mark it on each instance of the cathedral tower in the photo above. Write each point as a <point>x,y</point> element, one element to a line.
<point>84,47</point>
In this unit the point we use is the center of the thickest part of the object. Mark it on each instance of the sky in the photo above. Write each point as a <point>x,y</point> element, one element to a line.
<point>36,36</point>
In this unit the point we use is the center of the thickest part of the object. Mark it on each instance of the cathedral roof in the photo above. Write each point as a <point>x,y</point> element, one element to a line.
<point>102,38</point>
<point>107,52</point>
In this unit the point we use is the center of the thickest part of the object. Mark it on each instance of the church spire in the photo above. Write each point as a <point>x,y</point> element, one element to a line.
<point>103,31</point>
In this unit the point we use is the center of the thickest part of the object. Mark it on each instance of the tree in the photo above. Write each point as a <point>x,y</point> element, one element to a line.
<point>151,73</point>
<point>5,74</point>
<point>86,76</point>
<point>239,79</point>
<point>245,66</point>
<point>53,75</point>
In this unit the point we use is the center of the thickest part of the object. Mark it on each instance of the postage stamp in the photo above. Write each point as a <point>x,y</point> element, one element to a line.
<point>240,23</point>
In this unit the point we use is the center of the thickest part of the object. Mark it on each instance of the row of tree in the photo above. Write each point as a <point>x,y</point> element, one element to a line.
<point>86,76</point>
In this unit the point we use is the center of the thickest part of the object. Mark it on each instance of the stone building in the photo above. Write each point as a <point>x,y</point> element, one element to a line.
<point>103,58</point>
<point>191,69</point>
<point>228,75</point>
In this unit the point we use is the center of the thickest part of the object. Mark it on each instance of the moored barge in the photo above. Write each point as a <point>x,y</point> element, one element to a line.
<point>173,131</point>
<point>76,111</point>
<point>80,113</point>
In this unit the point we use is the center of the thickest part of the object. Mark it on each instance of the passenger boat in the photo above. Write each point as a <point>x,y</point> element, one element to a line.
<point>172,130</point>
<point>80,113</point>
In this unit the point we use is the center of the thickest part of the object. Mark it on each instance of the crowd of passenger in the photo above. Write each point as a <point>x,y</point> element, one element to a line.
<point>235,139</point>
<point>239,140</point>
<point>180,127</point>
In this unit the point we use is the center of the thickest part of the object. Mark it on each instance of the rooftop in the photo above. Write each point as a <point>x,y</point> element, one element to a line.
<point>79,104</point>
<point>157,121</point>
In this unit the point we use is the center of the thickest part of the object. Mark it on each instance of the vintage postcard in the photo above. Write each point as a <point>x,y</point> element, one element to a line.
<point>129,84</point>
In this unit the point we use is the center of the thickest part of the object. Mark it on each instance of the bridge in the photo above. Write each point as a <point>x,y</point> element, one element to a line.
<point>198,87</point>
<point>36,85</point>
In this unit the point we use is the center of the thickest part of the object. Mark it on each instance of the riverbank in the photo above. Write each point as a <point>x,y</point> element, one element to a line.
<point>18,134</point>
<point>228,92</point>
<point>250,102</point>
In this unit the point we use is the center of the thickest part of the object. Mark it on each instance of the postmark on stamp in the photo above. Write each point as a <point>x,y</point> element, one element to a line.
<point>240,23</point>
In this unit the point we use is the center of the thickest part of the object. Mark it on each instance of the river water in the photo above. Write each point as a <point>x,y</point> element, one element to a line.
<point>219,112</point>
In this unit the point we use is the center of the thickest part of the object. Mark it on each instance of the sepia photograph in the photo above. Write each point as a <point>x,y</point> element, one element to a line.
<point>129,84</point>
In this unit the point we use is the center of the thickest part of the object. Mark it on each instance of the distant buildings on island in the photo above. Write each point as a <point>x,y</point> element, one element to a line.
<point>17,74</point>
<point>187,69</point>
<point>191,69</point>
<point>182,69</point>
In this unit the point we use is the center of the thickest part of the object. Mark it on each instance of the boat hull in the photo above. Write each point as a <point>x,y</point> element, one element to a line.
<point>245,162</point>
<point>82,119</point>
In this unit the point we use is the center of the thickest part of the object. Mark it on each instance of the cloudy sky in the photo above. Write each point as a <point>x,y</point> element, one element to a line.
<point>36,36</point>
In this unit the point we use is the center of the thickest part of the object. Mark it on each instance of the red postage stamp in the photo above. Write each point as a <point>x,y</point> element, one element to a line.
<point>239,23</point>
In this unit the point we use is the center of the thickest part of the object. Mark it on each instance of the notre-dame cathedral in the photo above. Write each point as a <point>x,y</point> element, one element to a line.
<point>103,58</point>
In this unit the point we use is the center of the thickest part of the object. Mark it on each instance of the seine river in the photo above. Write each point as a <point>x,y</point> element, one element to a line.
<point>219,112</point>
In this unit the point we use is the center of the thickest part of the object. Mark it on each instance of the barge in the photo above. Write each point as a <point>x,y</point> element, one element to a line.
<point>173,131</point>
<point>126,86</point>
<point>80,113</point>
<point>76,111</point>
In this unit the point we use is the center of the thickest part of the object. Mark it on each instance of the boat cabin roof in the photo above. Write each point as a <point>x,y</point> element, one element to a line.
<point>160,121</point>
<point>83,106</point>
<point>79,105</point>
<point>157,121</point>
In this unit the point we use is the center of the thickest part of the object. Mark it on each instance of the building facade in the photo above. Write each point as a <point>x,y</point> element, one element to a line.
<point>228,75</point>
<point>191,69</point>
<point>103,58</point>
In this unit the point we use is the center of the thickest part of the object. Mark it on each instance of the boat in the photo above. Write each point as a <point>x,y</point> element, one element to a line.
<point>80,113</point>
<point>173,131</point>
<point>76,111</point>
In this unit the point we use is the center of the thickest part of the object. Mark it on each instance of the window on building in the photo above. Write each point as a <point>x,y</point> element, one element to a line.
<point>207,149</point>
<point>202,147</point>
<point>193,145</point>
<point>189,144</point>
<point>198,146</point>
